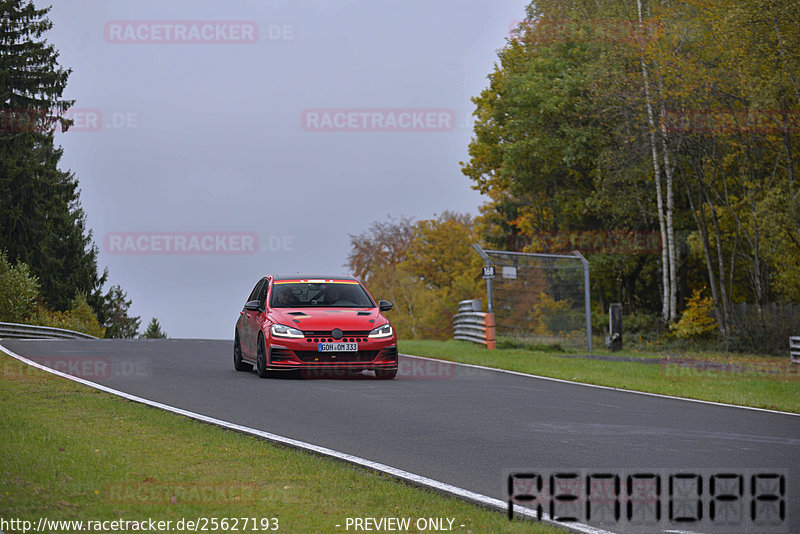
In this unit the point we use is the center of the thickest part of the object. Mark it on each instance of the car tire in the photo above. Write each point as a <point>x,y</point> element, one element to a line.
<point>261,359</point>
<point>385,374</point>
<point>238,364</point>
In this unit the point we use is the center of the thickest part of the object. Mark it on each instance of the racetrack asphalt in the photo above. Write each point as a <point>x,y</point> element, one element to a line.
<point>461,425</point>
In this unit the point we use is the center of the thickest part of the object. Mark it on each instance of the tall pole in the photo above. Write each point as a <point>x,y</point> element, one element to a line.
<point>488,262</point>
<point>586,298</point>
<point>489,308</point>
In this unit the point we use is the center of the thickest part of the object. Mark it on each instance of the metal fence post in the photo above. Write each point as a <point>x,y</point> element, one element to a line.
<point>488,262</point>
<point>587,298</point>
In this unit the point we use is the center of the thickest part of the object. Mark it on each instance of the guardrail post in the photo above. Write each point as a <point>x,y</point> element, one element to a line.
<point>490,337</point>
<point>794,349</point>
<point>471,324</point>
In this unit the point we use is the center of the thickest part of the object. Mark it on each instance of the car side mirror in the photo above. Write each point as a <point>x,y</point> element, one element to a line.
<point>252,305</point>
<point>385,305</point>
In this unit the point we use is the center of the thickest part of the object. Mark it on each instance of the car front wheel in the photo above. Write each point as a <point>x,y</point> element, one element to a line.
<point>385,374</point>
<point>238,364</point>
<point>261,359</point>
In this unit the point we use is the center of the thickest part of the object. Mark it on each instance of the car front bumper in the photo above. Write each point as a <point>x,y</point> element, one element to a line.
<point>302,354</point>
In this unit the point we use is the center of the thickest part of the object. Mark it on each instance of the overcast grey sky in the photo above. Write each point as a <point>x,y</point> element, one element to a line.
<point>219,141</point>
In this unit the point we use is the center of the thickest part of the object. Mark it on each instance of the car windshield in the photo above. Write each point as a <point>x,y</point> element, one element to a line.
<point>344,294</point>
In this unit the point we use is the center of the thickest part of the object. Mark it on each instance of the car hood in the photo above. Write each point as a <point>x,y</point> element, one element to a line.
<point>326,319</point>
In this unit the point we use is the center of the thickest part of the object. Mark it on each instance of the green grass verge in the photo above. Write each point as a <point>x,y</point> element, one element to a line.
<point>757,381</point>
<point>70,452</point>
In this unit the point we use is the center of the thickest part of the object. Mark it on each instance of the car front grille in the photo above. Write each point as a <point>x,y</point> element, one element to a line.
<point>326,336</point>
<point>328,333</point>
<point>313,356</point>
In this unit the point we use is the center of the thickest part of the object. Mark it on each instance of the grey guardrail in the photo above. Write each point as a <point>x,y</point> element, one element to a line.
<point>470,324</point>
<point>27,331</point>
<point>794,349</point>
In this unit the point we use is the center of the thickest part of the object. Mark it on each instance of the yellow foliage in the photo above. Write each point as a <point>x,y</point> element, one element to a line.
<point>546,314</point>
<point>18,291</point>
<point>80,318</point>
<point>426,280</point>
<point>698,318</point>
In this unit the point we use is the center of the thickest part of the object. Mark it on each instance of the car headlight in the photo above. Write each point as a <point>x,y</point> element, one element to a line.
<point>280,330</point>
<point>381,331</point>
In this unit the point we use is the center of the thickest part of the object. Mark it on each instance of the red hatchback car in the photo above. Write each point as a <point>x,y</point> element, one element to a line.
<point>315,324</point>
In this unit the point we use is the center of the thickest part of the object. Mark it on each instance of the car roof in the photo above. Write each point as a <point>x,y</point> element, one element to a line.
<point>301,276</point>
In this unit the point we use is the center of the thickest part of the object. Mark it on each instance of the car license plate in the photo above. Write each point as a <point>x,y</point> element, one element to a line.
<point>337,347</point>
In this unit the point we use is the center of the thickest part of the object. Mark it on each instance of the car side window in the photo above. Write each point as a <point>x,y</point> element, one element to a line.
<point>256,290</point>
<point>262,295</point>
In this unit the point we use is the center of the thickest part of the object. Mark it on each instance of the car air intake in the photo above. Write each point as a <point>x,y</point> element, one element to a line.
<point>312,356</point>
<point>277,354</point>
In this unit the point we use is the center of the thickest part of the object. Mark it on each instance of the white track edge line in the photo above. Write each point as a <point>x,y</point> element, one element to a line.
<point>418,480</point>
<point>634,391</point>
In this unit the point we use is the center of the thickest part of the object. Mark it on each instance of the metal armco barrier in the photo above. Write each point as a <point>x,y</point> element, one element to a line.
<point>26,331</point>
<point>470,324</point>
<point>794,349</point>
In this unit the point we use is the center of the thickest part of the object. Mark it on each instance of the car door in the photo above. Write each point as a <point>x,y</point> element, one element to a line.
<point>248,330</point>
<point>261,314</point>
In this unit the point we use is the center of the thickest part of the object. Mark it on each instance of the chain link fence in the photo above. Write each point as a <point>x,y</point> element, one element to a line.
<point>540,298</point>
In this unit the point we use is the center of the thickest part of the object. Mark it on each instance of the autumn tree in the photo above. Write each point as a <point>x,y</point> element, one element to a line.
<point>561,141</point>
<point>442,260</point>
<point>376,257</point>
<point>424,268</point>
<point>382,246</point>
<point>679,118</point>
<point>735,132</point>
<point>19,290</point>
